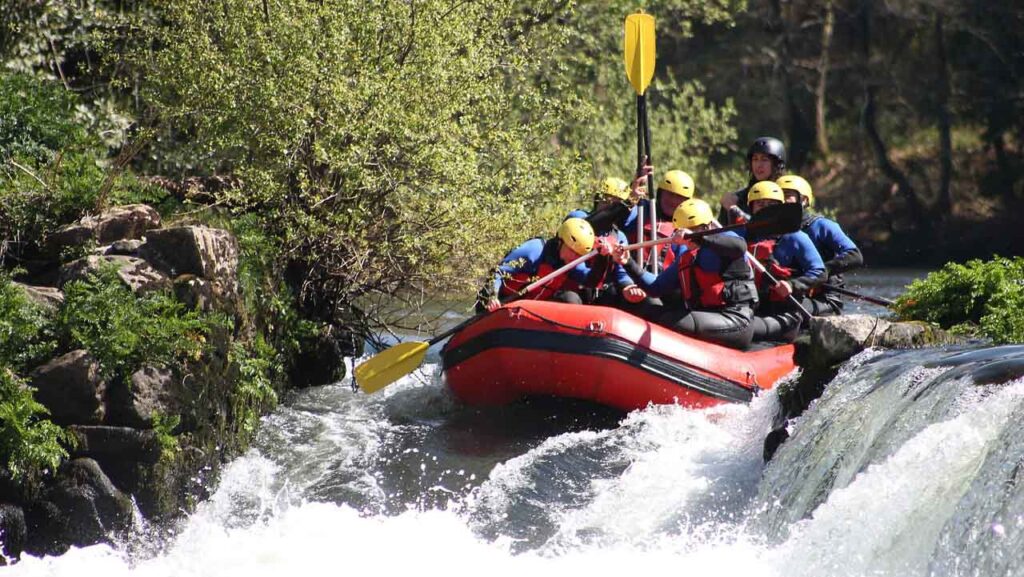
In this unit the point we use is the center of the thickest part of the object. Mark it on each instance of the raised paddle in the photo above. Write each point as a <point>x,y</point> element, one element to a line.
<point>392,364</point>
<point>638,56</point>
<point>771,220</point>
<point>870,299</point>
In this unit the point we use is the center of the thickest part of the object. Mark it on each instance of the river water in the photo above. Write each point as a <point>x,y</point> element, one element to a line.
<point>906,466</point>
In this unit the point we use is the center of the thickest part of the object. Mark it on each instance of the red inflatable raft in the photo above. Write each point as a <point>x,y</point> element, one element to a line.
<point>600,354</point>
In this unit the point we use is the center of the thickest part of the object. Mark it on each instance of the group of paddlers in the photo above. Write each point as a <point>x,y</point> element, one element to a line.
<point>731,288</point>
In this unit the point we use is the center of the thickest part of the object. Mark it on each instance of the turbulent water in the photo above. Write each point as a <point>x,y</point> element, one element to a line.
<point>907,465</point>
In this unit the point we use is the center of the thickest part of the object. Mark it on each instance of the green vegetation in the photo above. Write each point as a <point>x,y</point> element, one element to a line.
<point>26,329</point>
<point>124,331</point>
<point>984,298</point>
<point>29,444</point>
<point>259,368</point>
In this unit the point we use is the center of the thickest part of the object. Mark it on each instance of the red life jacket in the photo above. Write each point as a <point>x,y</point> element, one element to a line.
<point>665,253</point>
<point>763,251</point>
<point>701,288</point>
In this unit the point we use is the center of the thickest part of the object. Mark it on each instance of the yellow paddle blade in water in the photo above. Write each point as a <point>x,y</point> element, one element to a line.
<point>390,365</point>
<point>639,50</point>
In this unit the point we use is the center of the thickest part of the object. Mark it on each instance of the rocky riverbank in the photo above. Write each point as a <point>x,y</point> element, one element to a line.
<point>142,440</point>
<point>146,434</point>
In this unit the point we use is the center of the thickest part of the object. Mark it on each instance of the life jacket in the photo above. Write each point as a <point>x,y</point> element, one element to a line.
<point>665,253</point>
<point>513,283</point>
<point>700,288</point>
<point>763,251</point>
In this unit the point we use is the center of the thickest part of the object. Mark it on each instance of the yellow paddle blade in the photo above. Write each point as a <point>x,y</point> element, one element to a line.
<point>639,50</point>
<point>390,365</point>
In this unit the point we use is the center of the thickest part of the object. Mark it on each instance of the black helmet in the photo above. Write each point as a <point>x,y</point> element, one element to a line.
<point>772,147</point>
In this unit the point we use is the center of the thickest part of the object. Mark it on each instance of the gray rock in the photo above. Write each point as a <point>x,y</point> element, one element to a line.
<point>91,506</point>
<point>116,443</point>
<point>138,274</point>
<point>48,297</point>
<point>12,531</point>
<point>124,247</point>
<point>152,390</point>
<point>70,386</point>
<point>117,223</point>
<point>835,339</point>
<point>210,253</point>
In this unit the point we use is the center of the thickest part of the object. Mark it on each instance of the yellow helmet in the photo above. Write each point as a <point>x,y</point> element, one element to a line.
<point>678,182</point>
<point>797,183</point>
<point>765,190</point>
<point>577,234</point>
<point>692,212</point>
<point>616,187</point>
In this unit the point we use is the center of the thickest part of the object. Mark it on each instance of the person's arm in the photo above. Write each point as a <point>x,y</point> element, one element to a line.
<point>809,268</point>
<point>525,258</point>
<point>655,286</point>
<point>847,255</point>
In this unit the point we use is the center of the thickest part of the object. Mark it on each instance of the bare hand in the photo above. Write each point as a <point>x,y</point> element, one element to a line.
<point>639,186</point>
<point>634,294</point>
<point>729,200</point>
<point>620,255</point>
<point>681,236</point>
<point>605,245</point>
<point>492,305</point>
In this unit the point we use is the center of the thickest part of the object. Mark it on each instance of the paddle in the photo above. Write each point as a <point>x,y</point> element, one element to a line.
<point>392,364</point>
<point>638,55</point>
<point>771,220</point>
<point>870,299</point>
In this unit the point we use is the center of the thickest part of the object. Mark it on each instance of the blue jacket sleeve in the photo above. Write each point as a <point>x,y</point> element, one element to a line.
<point>525,258</point>
<point>662,284</point>
<point>838,248</point>
<point>809,270</point>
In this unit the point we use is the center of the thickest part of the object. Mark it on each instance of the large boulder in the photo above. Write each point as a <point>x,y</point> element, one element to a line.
<point>206,252</point>
<point>835,339</point>
<point>117,223</point>
<point>71,387</point>
<point>82,507</point>
<point>105,443</point>
<point>48,297</point>
<point>136,273</point>
<point>12,532</point>
<point>151,391</point>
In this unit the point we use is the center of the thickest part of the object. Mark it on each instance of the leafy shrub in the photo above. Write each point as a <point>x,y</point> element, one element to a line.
<point>259,368</point>
<point>37,120</point>
<point>123,331</point>
<point>979,297</point>
<point>29,444</point>
<point>26,329</point>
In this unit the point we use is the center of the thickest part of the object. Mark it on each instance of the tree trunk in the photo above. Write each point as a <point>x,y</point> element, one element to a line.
<point>869,122</point>
<point>820,129</point>
<point>945,200</point>
<point>799,131</point>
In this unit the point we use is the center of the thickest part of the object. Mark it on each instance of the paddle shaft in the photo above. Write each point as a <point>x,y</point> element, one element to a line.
<point>873,300</point>
<point>652,195</point>
<point>520,294</point>
<point>775,223</point>
<point>692,235</point>
<point>641,106</point>
<point>771,278</point>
